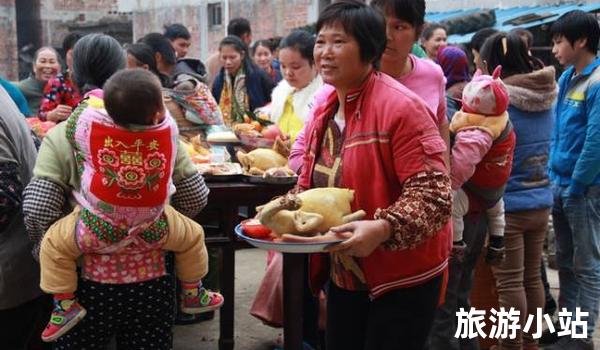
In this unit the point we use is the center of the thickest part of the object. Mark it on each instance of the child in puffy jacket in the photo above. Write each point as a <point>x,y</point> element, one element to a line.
<point>126,146</point>
<point>481,159</point>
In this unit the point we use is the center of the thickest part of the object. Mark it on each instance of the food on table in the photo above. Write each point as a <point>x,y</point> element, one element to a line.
<point>219,169</point>
<point>256,134</point>
<point>198,154</point>
<point>309,213</point>
<point>260,160</point>
<point>246,129</point>
<point>199,147</point>
<point>39,127</point>
<point>271,132</point>
<point>222,137</point>
<point>284,171</point>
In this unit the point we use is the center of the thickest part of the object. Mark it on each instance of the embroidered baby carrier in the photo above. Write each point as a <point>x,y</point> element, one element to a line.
<point>126,179</point>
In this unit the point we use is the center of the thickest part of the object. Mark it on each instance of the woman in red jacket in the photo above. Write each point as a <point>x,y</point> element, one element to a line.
<point>378,138</point>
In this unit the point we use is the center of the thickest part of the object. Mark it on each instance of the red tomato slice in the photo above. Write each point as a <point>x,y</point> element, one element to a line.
<point>253,228</point>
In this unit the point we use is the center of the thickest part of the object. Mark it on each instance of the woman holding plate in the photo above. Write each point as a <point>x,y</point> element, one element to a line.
<point>374,136</point>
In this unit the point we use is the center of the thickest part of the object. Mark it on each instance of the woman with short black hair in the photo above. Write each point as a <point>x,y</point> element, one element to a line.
<point>376,137</point>
<point>404,22</point>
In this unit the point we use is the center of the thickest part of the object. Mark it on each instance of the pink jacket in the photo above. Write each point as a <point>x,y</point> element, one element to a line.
<point>470,146</point>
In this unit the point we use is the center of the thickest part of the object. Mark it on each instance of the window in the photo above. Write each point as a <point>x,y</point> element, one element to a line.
<point>215,14</point>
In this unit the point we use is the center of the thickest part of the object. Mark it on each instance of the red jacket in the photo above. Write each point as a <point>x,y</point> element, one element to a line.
<point>390,135</point>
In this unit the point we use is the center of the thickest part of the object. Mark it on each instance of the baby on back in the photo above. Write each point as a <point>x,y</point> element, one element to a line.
<point>125,148</point>
<point>481,159</point>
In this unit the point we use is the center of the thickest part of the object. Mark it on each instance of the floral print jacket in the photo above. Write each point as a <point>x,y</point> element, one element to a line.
<point>59,90</point>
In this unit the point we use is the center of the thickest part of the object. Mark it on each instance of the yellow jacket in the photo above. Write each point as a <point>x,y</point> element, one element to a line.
<point>59,251</point>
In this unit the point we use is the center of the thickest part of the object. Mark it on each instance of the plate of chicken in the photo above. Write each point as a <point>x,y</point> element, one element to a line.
<point>300,223</point>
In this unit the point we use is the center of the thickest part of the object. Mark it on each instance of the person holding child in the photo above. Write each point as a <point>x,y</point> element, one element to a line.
<point>481,158</point>
<point>113,308</point>
<point>528,198</point>
<point>123,217</point>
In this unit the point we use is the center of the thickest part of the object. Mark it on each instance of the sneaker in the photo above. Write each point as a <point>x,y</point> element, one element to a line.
<point>182,319</point>
<point>66,314</point>
<point>203,301</point>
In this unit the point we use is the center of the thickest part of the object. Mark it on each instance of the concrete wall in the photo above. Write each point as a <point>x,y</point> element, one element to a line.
<point>131,19</point>
<point>58,17</point>
<point>8,42</point>
<point>268,18</point>
<point>153,20</point>
<point>271,18</point>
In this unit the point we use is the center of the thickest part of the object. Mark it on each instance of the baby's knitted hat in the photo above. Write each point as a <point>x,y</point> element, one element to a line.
<point>485,94</point>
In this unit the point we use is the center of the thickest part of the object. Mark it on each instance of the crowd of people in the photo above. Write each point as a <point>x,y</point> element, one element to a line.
<point>451,154</point>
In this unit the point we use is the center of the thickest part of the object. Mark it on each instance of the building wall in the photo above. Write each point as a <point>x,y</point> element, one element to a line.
<point>131,19</point>
<point>271,17</point>
<point>8,44</point>
<point>268,18</point>
<point>58,17</point>
<point>154,20</point>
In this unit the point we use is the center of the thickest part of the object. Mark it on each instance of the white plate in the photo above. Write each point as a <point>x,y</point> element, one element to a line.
<point>287,247</point>
<point>219,169</point>
<point>272,180</point>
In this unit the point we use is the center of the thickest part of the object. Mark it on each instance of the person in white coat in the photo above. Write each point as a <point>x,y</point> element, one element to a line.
<point>292,98</point>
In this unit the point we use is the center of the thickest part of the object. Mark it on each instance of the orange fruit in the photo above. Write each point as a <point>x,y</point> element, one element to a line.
<point>256,125</point>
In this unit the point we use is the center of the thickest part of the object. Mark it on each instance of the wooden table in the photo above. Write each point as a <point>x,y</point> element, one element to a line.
<point>219,219</point>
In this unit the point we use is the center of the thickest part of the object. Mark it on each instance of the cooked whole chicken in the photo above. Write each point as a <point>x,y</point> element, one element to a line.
<point>258,161</point>
<point>309,213</point>
<point>261,159</point>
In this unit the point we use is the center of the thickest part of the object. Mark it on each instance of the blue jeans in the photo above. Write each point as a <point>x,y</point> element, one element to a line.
<point>577,229</point>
